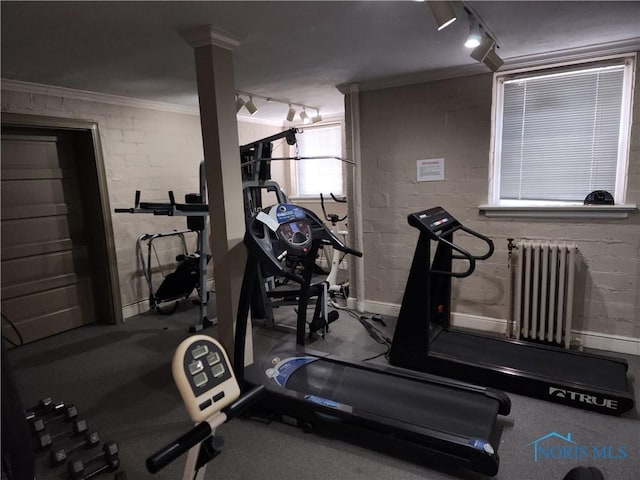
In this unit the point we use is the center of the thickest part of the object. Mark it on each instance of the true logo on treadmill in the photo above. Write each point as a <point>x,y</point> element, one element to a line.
<point>583,398</point>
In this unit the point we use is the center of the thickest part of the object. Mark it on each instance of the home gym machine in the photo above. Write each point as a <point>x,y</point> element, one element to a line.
<point>425,341</point>
<point>192,269</point>
<point>447,417</point>
<point>205,379</point>
<point>273,290</point>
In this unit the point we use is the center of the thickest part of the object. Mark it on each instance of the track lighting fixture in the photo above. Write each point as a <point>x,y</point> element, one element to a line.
<point>250,106</point>
<point>480,52</point>
<point>475,37</point>
<point>304,117</point>
<point>482,40</point>
<point>486,53</point>
<point>442,13</point>
<point>239,103</point>
<point>291,114</point>
<point>493,61</point>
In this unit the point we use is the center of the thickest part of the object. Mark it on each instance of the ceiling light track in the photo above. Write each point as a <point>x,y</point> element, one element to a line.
<point>291,112</point>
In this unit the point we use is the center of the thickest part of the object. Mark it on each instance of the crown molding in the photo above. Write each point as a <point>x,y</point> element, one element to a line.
<point>574,54</point>
<point>525,61</point>
<point>96,97</point>
<point>209,35</point>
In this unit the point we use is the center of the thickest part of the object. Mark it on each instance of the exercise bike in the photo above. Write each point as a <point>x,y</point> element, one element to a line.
<point>335,288</point>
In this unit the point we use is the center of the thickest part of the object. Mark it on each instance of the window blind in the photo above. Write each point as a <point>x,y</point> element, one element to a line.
<point>560,134</point>
<point>321,175</point>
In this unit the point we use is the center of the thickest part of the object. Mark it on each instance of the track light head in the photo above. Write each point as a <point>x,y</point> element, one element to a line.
<point>291,114</point>
<point>475,36</point>
<point>481,51</point>
<point>250,106</point>
<point>239,103</point>
<point>442,13</point>
<point>317,118</point>
<point>493,61</point>
<point>486,53</point>
<point>304,117</point>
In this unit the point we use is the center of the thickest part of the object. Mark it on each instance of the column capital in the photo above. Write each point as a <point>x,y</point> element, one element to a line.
<point>210,35</point>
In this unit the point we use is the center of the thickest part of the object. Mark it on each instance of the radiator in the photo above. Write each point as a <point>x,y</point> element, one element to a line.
<point>542,284</point>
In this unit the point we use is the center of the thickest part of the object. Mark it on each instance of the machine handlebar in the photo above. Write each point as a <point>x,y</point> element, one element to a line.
<point>332,217</point>
<point>464,254</point>
<point>200,432</point>
<point>175,449</point>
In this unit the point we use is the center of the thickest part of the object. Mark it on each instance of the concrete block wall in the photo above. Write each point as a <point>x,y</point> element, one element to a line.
<point>149,150</point>
<point>452,119</point>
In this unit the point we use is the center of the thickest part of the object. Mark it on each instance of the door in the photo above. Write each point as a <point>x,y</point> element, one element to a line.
<point>46,265</point>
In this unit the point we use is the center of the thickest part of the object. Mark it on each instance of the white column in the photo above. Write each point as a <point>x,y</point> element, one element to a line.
<point>356,267</point>
<point>216,92</point>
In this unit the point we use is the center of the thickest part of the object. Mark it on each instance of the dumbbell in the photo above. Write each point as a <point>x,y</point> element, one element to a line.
<point>78,427</point>
<point>109,452</point>
<point>59,455</point>
<point>63,414</point>
<point>44,408</point>
<point>42,404</point>
<point>111,464</point>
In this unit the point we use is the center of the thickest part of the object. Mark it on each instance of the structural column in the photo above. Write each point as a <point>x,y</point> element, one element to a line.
<point>354,178</point>
<point>216,92</point>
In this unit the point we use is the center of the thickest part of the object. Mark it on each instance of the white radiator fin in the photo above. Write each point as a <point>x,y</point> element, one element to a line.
<point>542,291</point>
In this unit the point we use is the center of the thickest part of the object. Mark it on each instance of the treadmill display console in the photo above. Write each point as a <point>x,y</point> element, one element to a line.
<point>433,220</point>
<point>291,228</point>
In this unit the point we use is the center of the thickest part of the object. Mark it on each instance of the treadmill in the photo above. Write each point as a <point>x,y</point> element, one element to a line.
<point>425,341</point>
<point>448,417</point>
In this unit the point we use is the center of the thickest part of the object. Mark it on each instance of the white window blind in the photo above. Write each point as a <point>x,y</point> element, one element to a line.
<point>560,136</point>
<point>319,175</point>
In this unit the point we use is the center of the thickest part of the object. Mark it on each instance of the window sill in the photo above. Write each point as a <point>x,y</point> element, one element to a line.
<point>568,211</point>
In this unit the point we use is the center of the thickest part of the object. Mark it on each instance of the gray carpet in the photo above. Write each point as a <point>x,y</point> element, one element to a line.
<point>119,377</point>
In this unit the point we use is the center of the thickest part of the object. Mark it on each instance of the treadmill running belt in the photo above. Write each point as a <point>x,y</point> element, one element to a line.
<point>411,401</point>
<point>553,364</point>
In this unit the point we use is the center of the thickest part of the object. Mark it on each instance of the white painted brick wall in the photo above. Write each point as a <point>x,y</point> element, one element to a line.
<point>452,119</point>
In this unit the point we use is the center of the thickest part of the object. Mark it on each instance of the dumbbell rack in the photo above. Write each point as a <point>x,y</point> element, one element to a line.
<point>65,447</point>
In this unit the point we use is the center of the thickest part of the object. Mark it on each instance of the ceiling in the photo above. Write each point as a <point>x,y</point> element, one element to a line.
<point>295,51</point>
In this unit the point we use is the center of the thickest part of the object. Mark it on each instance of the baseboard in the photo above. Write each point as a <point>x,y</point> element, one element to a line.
<point>462,320</point>
<point>608,342</point>
<point>134,309</point>
<point>595,340</point>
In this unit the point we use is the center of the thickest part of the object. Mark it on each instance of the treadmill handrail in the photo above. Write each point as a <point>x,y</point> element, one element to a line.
<point>465,256</point>
<point>486,239</point>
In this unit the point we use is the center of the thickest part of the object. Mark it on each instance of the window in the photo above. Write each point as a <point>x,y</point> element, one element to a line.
<point>561,133</point>
<point>323,175</point>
